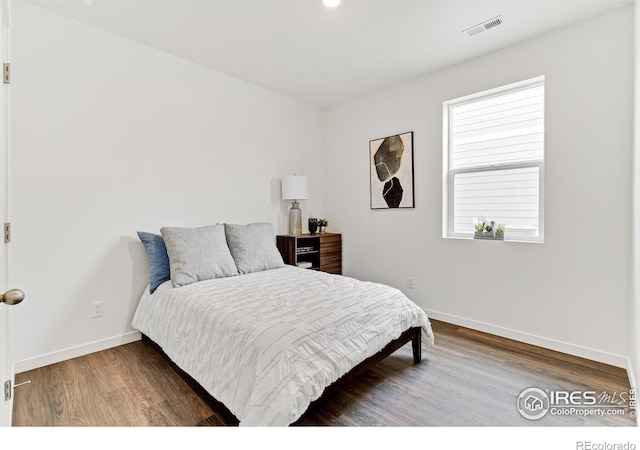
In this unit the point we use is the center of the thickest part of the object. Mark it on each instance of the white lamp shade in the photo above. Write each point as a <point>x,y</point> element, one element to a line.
<point>295,187</point>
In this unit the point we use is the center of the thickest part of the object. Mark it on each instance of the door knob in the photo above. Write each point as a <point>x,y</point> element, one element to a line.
<point>12,297</point>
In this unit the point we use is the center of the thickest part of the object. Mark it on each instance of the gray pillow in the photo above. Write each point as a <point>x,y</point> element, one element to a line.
<point>253,247</point>
<point>197,254</point>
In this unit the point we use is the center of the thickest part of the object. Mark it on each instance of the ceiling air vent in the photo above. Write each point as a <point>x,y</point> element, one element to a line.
<point>491,23</point>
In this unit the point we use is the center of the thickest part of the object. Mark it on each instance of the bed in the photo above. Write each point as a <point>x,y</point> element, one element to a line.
<point>267,343</point>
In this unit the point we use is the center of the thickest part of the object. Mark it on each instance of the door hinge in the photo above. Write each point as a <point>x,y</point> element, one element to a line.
<point>7,390</point>
<point>7,232</point>
<point>6,73</point>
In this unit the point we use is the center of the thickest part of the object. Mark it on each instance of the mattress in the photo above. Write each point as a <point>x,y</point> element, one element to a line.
<point>267,344</point>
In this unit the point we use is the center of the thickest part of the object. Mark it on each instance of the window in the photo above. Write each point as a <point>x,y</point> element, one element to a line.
<point>494,161</point>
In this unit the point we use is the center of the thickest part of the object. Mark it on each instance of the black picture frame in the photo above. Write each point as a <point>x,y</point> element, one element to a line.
<point>391,172</point>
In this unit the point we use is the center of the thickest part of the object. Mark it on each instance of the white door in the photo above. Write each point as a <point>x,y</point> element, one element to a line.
<point>5,367</point>
<point>5,358</point>
<point>10,297</point>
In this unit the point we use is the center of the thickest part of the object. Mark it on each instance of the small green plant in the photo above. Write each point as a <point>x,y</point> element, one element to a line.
<point>323,222</point>
<point>488,229</point>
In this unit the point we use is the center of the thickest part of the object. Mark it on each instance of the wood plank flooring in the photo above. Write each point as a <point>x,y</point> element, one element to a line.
<point>467,379</point>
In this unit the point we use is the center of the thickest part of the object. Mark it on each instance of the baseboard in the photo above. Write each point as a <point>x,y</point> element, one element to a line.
<point>74,352</point>
<point>632,382</point>
<point>551,344</point>
<point>631,374</point>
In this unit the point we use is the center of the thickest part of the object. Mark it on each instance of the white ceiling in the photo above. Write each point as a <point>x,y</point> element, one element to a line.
<point>325,56</point>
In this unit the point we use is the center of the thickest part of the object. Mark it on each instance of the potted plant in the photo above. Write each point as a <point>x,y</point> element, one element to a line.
<point>488,229</point>
<point>479,225</point>
<point>322,225</point>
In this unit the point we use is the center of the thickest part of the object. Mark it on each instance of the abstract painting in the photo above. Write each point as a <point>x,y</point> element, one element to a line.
<point>391,161</point>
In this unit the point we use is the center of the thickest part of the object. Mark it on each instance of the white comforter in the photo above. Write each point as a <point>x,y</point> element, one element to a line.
<point>267,344</point>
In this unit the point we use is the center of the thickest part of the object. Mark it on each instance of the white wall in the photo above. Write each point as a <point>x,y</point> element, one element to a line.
<point>570,293</point>
<point>111,137</point>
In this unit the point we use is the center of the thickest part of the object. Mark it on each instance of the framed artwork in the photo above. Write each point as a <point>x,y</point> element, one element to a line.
<point>391,164</point>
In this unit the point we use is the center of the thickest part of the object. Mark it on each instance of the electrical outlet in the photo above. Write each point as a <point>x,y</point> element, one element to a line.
<point>410,282</point>
<point>97,309</point>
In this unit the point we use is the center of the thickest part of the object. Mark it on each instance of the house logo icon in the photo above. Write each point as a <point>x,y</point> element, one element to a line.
<point>533,403</point>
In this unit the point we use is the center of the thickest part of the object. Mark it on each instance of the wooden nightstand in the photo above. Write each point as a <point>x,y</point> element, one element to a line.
<point>319,252</point>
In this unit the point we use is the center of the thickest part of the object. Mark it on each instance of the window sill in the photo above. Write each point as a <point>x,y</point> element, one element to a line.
<point>506,239</point>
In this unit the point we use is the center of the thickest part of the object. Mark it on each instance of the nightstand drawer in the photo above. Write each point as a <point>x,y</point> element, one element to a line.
<point>334,267</point>
<point>331,246</point>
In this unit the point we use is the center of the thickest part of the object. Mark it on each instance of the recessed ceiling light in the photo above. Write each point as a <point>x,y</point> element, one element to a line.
<point>330,3</point>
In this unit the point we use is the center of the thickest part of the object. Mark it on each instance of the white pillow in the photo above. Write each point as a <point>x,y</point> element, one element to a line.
<point>197,254</point>
<point>253,247</point>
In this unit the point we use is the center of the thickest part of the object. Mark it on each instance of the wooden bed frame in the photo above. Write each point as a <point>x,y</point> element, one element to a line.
<point>412,334</point>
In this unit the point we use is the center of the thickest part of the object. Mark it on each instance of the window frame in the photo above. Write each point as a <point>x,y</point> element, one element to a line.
<point>448,200</point>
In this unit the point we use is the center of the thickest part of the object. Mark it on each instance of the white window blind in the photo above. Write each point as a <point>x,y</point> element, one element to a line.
<point>495,157</point>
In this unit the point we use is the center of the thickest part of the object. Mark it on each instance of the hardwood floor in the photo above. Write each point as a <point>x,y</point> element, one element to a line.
<point>467,379</point>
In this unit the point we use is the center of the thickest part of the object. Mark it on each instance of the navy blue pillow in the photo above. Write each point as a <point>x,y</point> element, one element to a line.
<point>158,259</point>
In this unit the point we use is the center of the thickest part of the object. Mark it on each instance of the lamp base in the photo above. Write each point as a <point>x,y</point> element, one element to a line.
<point>295,219</point>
